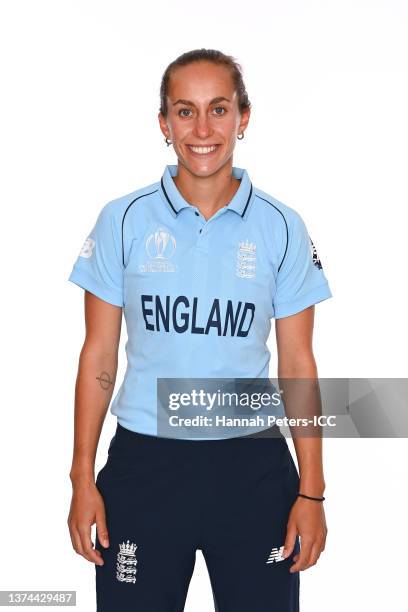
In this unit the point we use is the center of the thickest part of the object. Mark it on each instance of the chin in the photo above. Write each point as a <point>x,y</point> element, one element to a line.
<point>205,168</point>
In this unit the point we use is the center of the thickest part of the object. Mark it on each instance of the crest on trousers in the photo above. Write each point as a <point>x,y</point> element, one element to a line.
<point>315,256</point>
<point>126,562</point>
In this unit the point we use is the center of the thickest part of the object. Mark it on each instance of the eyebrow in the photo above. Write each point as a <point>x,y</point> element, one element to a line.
<point>189,103</point>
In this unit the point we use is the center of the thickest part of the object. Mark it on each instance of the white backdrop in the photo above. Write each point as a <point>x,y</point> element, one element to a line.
<point>328,136</point>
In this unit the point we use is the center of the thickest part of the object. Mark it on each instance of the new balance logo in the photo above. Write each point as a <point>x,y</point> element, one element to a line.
<point>276,555</point>
<point>87,248</point>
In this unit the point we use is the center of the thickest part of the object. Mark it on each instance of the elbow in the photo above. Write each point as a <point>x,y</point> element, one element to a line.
<point>301,365</point>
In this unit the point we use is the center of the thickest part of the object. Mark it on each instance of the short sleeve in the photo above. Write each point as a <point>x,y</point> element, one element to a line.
<point>300,281</point>
<point>98,267</point>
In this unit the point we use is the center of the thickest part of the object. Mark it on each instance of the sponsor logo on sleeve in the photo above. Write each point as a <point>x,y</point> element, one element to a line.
<point>315,257</point>
<point>87,247</point>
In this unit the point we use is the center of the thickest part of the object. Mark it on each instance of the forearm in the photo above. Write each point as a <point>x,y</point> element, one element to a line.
<point>93,392</point>
<point>299,381</point>
<point>309,456</point>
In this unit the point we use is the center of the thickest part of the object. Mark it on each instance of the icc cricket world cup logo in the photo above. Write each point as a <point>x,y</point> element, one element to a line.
<point>161,244</point>
<point>160,247</point>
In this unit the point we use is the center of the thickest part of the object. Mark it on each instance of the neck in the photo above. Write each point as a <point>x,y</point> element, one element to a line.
<point>208,193</point>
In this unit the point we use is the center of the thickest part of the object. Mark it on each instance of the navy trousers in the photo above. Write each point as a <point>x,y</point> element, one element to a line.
<point>167,498</point>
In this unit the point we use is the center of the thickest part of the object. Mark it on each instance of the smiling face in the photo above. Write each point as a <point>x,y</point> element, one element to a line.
<point>203,118</point>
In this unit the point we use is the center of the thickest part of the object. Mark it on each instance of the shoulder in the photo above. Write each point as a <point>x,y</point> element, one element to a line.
<point>115,210</point>
<point>274,213</point>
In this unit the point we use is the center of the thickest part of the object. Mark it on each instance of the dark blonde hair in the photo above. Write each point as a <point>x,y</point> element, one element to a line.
<point>208,55</point>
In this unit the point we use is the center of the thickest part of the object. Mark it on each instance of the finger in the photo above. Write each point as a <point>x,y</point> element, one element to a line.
<point>76,540</point>
<point>301,562</point>
<point>317,549</point>
<point>290,540</point>
<point>87,545</point>
<point>314,554</point>
<point>102,529</point>
<point>70,534</point>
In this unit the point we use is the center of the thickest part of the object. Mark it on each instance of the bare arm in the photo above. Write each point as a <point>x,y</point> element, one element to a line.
<point>294,336</point>
<point>95,381</point>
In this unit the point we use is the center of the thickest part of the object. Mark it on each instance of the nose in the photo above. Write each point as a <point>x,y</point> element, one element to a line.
<point>202,127</point>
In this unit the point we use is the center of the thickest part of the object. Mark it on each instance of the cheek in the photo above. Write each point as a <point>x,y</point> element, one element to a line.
<point>179,131</point>
<point>229,128</point>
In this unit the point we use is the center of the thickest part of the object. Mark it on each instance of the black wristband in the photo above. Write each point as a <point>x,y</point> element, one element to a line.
<point>320,499</point>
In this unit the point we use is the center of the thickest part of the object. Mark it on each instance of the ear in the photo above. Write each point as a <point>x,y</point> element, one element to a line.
<point>246,113</point>
<point>163,125</point>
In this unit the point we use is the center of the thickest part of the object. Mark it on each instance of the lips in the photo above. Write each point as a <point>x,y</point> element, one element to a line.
<point>203,151</point>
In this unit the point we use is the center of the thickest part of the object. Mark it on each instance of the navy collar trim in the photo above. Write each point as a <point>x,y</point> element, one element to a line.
<point>175,201</point>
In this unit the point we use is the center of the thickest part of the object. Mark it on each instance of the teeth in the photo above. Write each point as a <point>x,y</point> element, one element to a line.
<point>203,150</point>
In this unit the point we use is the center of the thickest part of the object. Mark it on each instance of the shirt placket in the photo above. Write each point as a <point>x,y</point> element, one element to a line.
<point>201,250</point>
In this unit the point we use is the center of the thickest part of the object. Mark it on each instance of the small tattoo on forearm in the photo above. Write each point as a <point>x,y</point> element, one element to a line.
<point>104,380</point>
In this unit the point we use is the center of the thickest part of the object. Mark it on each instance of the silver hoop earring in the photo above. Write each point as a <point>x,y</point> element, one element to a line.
<point>168,142</point>
<point>242,136</point>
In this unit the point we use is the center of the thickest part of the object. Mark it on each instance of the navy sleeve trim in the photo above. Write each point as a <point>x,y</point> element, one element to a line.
<point>124,215</point>
<point>286,226</point>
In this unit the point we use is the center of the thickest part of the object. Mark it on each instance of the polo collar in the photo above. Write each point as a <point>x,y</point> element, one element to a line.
<point>175,201</point>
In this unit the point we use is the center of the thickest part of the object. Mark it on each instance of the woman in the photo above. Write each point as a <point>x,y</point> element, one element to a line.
<point>199,262</point>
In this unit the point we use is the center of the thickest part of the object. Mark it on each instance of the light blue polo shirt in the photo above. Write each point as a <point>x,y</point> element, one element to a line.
<point>198,296</point>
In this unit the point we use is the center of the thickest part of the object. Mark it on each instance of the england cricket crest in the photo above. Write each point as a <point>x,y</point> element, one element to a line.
<point>126,562</point>
<point>246,259</point>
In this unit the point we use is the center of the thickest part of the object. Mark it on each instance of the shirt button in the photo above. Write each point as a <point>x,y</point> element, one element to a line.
<point>197,214</point>
<point>201,231</point>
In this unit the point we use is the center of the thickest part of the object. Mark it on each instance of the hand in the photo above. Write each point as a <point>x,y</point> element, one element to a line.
<point>87,507</point>
<point>307,519</point>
